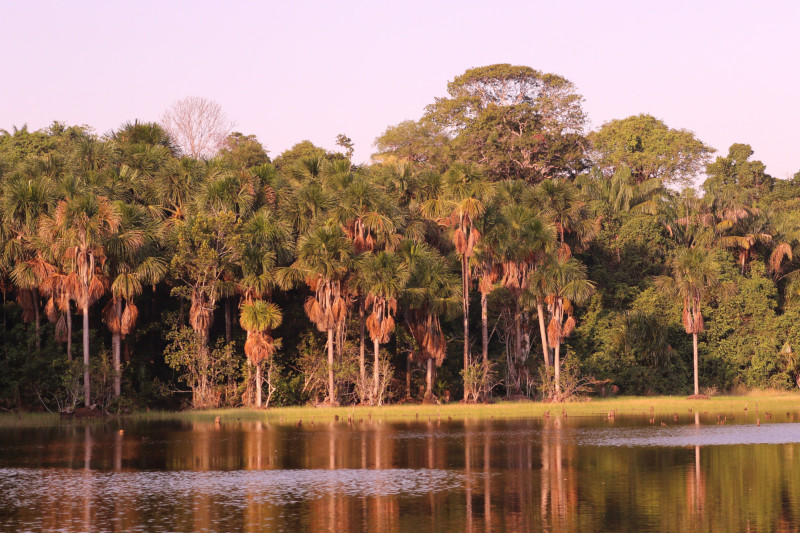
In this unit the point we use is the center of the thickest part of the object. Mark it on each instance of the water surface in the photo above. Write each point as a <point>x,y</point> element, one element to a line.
<point>537,474</point>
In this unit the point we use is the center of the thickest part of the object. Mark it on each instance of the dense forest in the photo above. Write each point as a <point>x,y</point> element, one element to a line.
<point>494,248</point>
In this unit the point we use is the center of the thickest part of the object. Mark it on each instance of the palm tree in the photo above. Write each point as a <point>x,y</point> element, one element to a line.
<point>370,220</point>
<point>432,291</point>
<point>526,240</point>
<point>324,258</point>
<point>381,276</point>
<point>563,205</point>
<point>463,201</point>
<point>566,285</point>
<point>259,318</point>
<point>695,275</point>
<point>79,230</point>
<point>26,196</point>
<point>61,289</point>
<point>267,240</point>
<point>135,260</point>
<point>746,234</point>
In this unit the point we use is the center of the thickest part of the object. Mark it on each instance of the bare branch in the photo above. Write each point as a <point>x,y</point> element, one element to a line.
<point>197,125</point>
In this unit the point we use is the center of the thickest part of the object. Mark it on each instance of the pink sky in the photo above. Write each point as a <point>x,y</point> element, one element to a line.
<point>287,71</point>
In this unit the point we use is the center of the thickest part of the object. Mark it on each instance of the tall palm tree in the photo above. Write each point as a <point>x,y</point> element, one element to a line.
<point>381,276</point>
<point>259,318</point>
<point>567,285</point>
<point>463,201</point>
<point>135,260</point>
<point>79,230</point>
<point>267,240</point>
<point>324,258</point>
<point>370,220</point>
<point>523,247</point>
<point>695,275</point>
<point>432,291</point>
<point>27,195</point>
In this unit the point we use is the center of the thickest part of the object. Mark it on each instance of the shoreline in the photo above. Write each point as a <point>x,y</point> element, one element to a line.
<point>756,402</point>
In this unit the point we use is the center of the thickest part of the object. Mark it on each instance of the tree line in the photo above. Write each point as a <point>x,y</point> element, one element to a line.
<point>492,248</point>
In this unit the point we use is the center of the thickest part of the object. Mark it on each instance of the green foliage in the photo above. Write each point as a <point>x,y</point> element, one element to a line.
<point>210,374</point>
<point>489,190</point>
<point>650,149</point>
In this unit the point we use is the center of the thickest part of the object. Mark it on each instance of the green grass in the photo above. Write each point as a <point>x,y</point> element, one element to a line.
<point>661,405</point>
<point>764,401</point>
<point>28,419</point>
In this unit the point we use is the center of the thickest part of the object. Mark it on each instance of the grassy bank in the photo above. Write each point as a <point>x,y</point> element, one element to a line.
<point>661,406</point>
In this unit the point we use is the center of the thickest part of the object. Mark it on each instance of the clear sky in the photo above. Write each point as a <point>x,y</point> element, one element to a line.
<point>293,70</point>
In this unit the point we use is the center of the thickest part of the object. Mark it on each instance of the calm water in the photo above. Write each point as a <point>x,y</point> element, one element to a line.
<point>575,474</point>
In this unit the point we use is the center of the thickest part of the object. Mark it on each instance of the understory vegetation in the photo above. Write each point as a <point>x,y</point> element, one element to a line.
<point>492,249</point>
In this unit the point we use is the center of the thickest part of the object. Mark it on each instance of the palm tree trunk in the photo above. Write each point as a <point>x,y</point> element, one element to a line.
<point>116,350</point>
<point>543,333</point>
<point>331,385</point>
<point>376,372</point>
<point>37,320</point>
<point>485,327</point>
<point>362,366</point>
<point>228,321</point>
<point>69,332</point>
<point>465,289</point>
<point>557,366</point>
<point>87,385</point>
<point>408,378</point>
<point>429,381</point>
<point>517,333</point>
<point>696,380</point>
<point>258,385</point>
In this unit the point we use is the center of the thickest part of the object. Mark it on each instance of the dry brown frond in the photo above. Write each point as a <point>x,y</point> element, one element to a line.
<point>569,325</point>
<point>781,252</point>
<point>129,317</point>
<point>111,316</point>
<point>51,310</point>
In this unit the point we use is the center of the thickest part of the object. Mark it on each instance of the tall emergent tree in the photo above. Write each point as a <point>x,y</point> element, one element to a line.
<point>197,125</point>
<point>650,149</point>
<point>517,122</point>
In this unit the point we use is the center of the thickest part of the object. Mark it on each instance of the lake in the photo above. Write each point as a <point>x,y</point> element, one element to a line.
<point>529,474</point>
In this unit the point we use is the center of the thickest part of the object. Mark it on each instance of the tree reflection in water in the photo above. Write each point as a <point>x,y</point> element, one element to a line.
<point>551,474</point>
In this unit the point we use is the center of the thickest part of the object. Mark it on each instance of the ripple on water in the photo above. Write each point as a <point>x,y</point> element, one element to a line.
<point>22,487</point>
